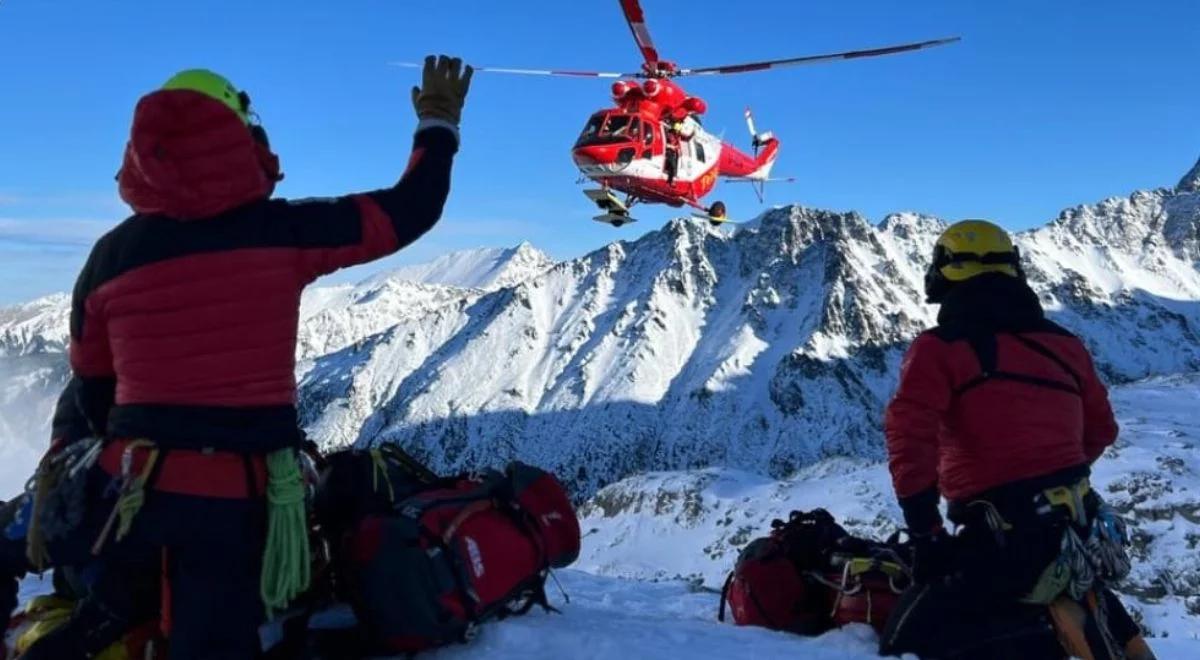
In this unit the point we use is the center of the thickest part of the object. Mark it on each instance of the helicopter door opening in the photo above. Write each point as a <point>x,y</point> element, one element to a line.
<point>647,140</point>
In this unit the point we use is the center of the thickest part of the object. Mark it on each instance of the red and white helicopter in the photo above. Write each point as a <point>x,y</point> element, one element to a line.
<point>651,146</point>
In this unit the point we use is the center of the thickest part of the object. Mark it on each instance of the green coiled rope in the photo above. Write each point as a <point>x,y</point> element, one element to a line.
<point>286,570</point>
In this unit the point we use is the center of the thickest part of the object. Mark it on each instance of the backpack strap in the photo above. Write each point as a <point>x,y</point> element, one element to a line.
<point>724,597</point>
<point>411,465</point>
<point>1044,351</point>
<point>984,345</point>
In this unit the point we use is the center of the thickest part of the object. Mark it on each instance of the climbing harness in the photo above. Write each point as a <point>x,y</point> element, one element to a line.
<point>132,493</point>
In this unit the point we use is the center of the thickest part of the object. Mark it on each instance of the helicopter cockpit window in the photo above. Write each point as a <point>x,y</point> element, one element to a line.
<point>611,129</point>
<point>647,133</point>
<point>619,126</point>
<point>592,128</point>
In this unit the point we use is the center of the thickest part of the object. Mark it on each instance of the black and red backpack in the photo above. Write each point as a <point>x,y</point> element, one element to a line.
<point>468,550</point>
<point>865,580</point>
<point>774,583</point>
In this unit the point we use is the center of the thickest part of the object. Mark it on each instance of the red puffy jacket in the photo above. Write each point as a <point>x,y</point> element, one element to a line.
<point>995,394</point>
<point>184,319</point>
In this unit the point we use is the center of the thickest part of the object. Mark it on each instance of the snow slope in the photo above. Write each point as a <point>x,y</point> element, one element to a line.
<point>614,619</point>
<point>765,349</point>
<point>482,268</point>
<point>690,525</point>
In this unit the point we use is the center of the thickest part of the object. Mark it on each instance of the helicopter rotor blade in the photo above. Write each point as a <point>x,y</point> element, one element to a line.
<point>815,59</point>
<point>641,34</point>
<point>535,72</point>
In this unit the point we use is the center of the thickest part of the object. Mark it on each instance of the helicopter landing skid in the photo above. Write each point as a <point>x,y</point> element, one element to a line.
<point>616,212</point>
<point>615,219</point>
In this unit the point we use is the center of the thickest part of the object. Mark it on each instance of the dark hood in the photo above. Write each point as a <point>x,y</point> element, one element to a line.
<point>189,157</point>
<point>992,302</point>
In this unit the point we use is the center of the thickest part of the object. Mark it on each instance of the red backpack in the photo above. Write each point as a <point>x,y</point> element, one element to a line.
<point>773,584</point>
<point>452,557</point>
<point>866,588</point>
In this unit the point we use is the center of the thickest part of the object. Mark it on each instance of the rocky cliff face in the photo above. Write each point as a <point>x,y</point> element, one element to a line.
<point>764,349</point>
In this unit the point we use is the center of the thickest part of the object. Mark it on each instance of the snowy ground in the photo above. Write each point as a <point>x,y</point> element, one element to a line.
<point>690,525</point>
<point>617,619</point>
<point>644,534</point>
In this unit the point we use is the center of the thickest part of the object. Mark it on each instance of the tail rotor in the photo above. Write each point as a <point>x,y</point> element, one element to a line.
<point>757,139</point>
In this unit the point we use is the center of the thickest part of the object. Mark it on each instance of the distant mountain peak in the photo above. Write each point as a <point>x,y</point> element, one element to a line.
<point>478,268</point>
<point>908,225</point>
<point>1190,183</point>
<point>37,326</point>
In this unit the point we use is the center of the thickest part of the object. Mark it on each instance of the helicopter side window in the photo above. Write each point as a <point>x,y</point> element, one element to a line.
<point>699,150</point>
<point>647,134</point>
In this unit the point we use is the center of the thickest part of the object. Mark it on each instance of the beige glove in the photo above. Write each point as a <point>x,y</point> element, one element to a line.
<point>443,89</point>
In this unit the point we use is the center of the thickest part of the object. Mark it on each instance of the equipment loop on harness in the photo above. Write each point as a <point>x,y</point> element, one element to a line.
<point>132,493</point>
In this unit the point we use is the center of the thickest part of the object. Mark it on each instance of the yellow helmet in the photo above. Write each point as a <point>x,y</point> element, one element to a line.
<point>214,86</point>
<point>968,249</point>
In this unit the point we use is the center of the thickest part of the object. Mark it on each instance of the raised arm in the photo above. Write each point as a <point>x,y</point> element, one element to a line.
<point>345,231</point>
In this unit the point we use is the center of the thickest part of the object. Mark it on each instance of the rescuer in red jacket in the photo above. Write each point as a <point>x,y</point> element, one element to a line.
<point>183,331</point>
<point>1000,411</point>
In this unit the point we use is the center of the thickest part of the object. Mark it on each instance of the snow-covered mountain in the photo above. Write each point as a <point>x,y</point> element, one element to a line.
<point>33,338</point>
<point>334,317</point>
<point>40,326</point>
<point>482,268</point>
<point>763,349</point>
<point>1190,181</point>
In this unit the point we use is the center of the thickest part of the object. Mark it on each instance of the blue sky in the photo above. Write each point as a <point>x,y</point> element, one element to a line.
<point>1043,105</point>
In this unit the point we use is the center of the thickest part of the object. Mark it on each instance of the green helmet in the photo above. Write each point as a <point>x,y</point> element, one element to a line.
<point>213,86</point>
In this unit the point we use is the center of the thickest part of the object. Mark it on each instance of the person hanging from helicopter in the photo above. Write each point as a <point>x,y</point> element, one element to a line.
<point>670,152</point>
<point>681,126</point>
<point>677,130</point>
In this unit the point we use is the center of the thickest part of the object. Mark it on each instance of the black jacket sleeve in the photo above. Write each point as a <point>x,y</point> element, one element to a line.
<point>94,380</point>
<point>70,423</point>
<point>339,232</point>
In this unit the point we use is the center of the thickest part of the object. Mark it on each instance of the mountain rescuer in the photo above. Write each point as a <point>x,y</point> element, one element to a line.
<point>183,331</point>
<point>1001,412</point>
